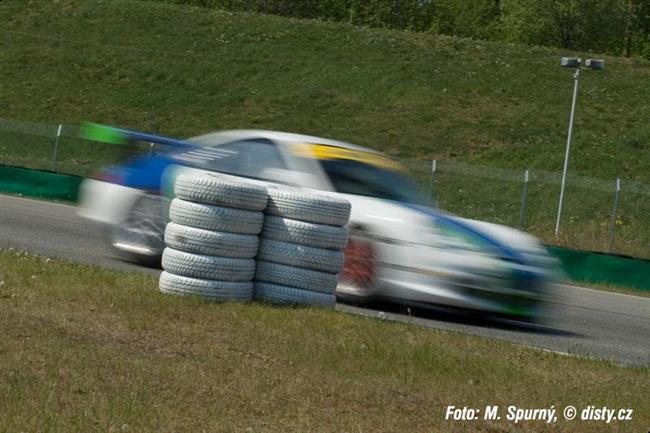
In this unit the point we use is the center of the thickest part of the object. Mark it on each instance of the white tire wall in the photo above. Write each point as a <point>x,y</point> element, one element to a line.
<point>212,238</point>
<point>207,267</point>
<point>304,233</point>
<point>212,290</point>
<point>307,206</point>
<point>301,245</point>
<point>216,218</point>
<point>300,256</point>
<point>211,243</point>
<point>221,190</point>
<point>213,249</point>
<point>277,294</point>
<point>299,278</point>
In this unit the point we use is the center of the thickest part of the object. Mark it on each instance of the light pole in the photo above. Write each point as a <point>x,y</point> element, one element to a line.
<point>572,62</point>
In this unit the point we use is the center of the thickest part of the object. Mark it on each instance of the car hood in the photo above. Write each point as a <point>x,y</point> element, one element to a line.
<point>503,233</point>
<point>420,224</point>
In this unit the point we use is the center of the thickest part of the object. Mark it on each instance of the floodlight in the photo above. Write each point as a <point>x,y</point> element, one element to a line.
<point>570,62</point>
<point>595,64</point>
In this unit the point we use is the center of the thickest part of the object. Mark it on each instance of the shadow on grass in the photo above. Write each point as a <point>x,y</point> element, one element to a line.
<point>463,317</point>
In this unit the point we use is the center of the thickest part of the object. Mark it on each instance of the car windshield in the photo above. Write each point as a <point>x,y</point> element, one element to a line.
<point>359,178</point>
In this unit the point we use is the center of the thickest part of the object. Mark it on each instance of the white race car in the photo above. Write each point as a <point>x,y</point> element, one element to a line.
<point>399,249</point>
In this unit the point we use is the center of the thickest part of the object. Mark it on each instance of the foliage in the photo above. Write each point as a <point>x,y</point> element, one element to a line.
<point>611,26</point>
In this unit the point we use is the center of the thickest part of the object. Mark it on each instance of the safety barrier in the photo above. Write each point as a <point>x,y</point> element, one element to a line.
<point>603,268</point>
<point>39,184</point>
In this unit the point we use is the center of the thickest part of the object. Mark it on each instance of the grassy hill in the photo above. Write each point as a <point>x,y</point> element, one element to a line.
<point>184,70</point>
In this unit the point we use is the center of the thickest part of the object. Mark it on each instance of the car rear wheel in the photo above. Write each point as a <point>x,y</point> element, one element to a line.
<point>139,236</point>
<point>358,277</point>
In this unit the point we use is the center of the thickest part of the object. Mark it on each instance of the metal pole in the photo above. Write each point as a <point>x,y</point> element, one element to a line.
<point>433,172</point>
<point>522,208</point>
<point>576,78</point>
<point>612,224</point>
<point>56,147</point>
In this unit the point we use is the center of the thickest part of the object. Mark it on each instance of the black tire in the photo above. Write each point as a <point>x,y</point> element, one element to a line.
<point>303,205</point>
<point>139,237</point>
<point>207,267</point>
<point>298,278</point>
<point>283,295</point>
<point>208,289</point>
<point>301,256</point>
<point>304,233</point>
<point>210,243</point>
<point>221,190</point>
<point>215,218</point>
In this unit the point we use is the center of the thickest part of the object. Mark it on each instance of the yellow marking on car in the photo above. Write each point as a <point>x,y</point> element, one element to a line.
<point>323,151</point>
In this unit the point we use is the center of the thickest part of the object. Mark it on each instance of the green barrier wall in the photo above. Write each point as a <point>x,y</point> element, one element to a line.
<point>603,268</point>
<point>42,184</point>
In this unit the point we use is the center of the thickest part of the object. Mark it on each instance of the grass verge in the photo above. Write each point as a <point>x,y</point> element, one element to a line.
<point>86,349</point>
<point>609,288</point>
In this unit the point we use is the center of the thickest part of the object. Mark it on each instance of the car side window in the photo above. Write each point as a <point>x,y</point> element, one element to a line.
<point>248,158</point>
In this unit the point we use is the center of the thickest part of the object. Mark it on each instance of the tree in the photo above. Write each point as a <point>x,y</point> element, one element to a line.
<point>477,19</point>
<point>597,25</point>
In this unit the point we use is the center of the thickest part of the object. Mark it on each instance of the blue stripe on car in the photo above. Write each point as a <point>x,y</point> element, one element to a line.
<point>505,251</point>
<point>144,173</point>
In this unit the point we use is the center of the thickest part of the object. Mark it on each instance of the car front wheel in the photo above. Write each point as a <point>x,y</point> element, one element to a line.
<point>140,235</point>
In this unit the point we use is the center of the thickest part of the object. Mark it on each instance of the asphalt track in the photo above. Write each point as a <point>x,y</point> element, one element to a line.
<point>582,321</point>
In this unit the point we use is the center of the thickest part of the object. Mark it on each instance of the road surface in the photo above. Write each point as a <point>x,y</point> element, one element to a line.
<point>583,321</point>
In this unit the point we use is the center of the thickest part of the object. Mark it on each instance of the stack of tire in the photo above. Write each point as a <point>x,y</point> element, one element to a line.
<point>212,237</point>
<point>301,247</point>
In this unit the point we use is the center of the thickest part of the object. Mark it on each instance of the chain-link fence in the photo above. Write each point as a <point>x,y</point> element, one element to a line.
<point>58,148</point>
<point>599,215</point>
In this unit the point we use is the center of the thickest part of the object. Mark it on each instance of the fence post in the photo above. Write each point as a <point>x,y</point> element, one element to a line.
<point>612,223</point>
<point>433,172</point>
<point>522,208</point>
<point>56,146</point>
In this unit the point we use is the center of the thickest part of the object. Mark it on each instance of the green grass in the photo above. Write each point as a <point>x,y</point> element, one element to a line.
<point>181,71</point>
<point>86,349</point>
<point>610,288</point>
<point>184,70</point>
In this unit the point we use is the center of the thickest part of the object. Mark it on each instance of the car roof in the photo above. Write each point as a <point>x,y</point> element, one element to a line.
<point>221,137</point>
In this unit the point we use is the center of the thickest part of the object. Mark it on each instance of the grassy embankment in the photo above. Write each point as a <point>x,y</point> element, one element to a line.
<point>184,70</point>
<point>86,349</point>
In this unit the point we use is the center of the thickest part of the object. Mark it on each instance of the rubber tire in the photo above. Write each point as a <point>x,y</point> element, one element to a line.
<point>304,233</point>
<point>209,289</point>
<point>149,206</point>
<point>299,278</point>
<point>221,190</point>
<point>283,295</point>
<point>302,205</point>
<point>210,243</point>
<point>207,267</point>
<point>217,218</point>
<point>300,256</point>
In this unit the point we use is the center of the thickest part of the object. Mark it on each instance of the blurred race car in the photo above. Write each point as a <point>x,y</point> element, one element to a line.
<point>399,248</point>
